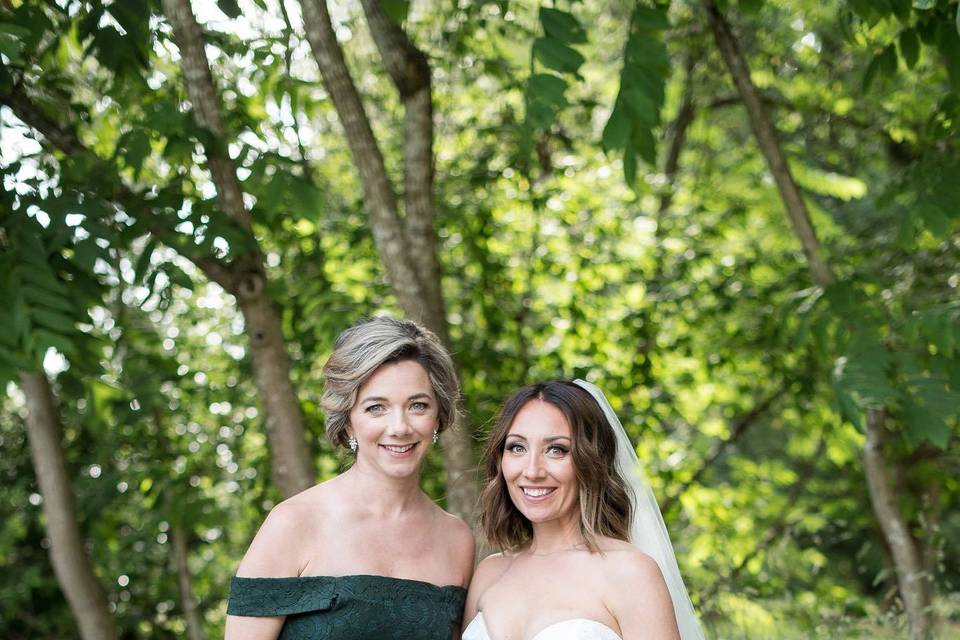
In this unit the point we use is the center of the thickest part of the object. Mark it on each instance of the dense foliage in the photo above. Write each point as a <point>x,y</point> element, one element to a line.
<point>603,212</point>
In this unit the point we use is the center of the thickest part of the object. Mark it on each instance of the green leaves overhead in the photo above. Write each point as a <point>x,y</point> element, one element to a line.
<point>555,55</point>
<point>230,8</point>
<point>12,41</point>
<point>562,26</point>
<point>544,98</point>
<point>636,110</point>
<point>909,43</point>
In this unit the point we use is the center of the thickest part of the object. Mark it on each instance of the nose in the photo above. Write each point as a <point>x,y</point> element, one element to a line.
<point>399,425</point>
<point>534,469</point>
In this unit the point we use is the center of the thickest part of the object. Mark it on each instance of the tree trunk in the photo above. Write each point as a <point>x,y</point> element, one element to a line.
<point>191,611</point>
<point>906,558</point>
<point>407,246</point>
<point>883,491</point>
<point>769,143</point>
<point>69,557</point>
<point>245,278</point>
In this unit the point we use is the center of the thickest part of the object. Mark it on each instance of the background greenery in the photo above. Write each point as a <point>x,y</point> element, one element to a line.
<point>570,247</point>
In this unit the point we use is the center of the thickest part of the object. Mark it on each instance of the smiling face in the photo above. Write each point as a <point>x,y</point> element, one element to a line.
<point>394,418</point>
<point>537,464</point>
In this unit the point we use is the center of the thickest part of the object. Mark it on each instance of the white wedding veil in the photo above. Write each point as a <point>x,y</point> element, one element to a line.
<point>648,533</point>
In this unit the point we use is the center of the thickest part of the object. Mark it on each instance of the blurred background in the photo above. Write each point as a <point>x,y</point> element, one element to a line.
<point>739,218</point>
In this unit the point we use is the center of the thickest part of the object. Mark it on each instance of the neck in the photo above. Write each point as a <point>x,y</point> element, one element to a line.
<point>381,494</point>
<point>556,535</point>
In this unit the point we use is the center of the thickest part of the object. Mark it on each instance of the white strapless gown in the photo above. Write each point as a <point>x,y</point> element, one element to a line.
<point>573,629</point>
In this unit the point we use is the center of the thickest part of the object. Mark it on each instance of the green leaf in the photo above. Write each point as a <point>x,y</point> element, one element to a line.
<point>229,7</point>
<point>863,371</point>
<point>53,320</point>
<point>86,253</point>
<point>555,55</point>
<point>616,133</point>
<point>45,339</point>
<point>874,69</point>
<point>396,10</point>
<point>923,5</point>
<point>648,19</point>
<point>630,164</point>
<point>544,98</point>
<point>909,47</point>
<point>641,107</point>
<point>750,7</point>
<point>562,25</point>
<point>143,260</point>
<point>134,146</point>
<point>43,297</point>
<point>645,144</point>
<point>12,41</point>
<point>901,9</point>
<point>948,41</point>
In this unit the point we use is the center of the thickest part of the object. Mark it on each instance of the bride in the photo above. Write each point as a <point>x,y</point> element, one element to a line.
<point>585,553</point>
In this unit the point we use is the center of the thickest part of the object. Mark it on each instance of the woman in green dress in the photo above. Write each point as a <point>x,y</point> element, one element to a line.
<point>366,554</point>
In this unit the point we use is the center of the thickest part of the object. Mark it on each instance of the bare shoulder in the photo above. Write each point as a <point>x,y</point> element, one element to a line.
<point>630,568</point>
<point>273,552</point>
<point>490,569</point>
<point>638,596</point>
<point>457,531</point>
<point>486,575</point>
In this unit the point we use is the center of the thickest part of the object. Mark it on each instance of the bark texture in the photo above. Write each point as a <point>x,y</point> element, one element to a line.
<point>69,557</point>
<point>769,143</point>
<point>407,244</point>
<point>245,278</point>
<point>906,557</point>
<point>191,611</point>
<point>883,490</point>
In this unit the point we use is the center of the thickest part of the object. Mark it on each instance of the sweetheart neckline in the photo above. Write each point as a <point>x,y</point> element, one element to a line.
<point>483,621</point>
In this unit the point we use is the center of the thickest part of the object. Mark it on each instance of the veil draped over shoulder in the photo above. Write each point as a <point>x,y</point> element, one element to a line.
<point>648,533</point>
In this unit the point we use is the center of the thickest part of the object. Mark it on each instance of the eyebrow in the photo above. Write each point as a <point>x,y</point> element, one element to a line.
<point>547,439</point>
<point>416,396</point>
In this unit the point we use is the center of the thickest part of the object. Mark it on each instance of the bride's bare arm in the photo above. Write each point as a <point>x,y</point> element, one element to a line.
<point>639,599</point>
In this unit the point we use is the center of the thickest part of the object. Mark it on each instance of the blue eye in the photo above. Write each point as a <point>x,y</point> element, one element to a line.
<point>515,448</point>
<point>375,408</point>
<point>557,450</point>
<point>419,406</point>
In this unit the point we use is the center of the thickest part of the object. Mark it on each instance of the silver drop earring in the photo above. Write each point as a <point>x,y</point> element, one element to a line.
<point>352,443</point>
<point>436,436</point>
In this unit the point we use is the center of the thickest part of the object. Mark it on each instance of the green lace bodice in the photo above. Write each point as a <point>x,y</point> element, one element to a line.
<point>351,607</point>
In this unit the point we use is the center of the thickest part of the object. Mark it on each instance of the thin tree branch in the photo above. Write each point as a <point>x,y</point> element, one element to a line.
<point>740,426</point>
<point>410,72</point>
<point>883,496</point>
<point>25,108</point>
<point>804,473</point>
<point>380,200</point>
<point>769,144</point>
<point>206,107</point>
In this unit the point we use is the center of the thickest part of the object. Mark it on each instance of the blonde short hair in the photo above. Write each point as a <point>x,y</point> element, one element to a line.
<point>371,343</point>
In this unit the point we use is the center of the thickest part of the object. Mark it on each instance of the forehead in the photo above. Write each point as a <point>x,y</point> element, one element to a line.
<point>404,378</point>
<point>539,419</point>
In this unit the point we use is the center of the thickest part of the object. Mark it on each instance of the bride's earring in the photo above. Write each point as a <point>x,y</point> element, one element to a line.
<point>436,436</point>
<point>352,443</point>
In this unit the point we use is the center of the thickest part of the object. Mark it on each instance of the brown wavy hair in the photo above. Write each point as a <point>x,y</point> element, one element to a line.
<point>604,498</point>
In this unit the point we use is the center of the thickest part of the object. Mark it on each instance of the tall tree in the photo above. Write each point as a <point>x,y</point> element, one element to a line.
<point>407,243</point>
<point>245,277</point>
<point>882,487</point>
<point>68,552</point>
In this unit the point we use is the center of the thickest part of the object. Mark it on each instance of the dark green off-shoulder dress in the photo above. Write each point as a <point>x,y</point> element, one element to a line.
<point>351,607</point>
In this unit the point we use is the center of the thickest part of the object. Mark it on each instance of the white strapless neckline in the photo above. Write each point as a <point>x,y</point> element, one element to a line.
<point>572,629</point>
